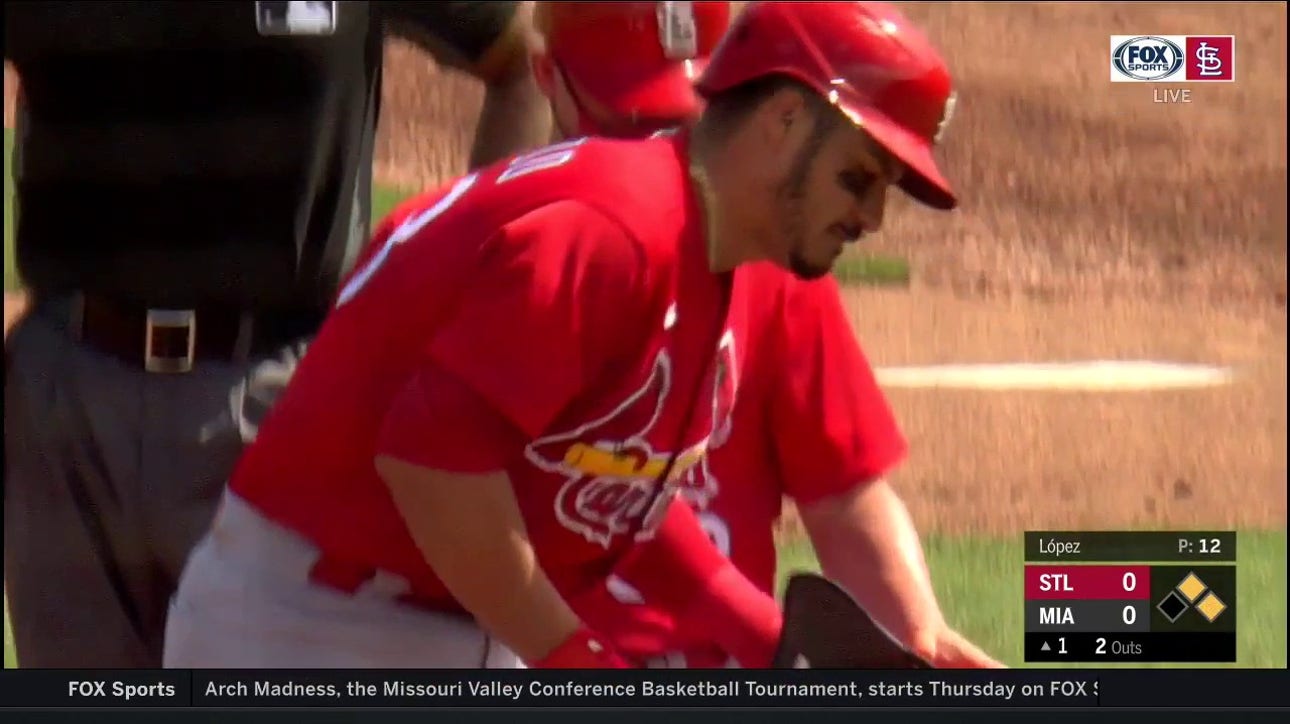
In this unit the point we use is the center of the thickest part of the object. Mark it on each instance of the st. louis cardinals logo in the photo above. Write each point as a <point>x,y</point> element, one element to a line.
<point>611,465</point>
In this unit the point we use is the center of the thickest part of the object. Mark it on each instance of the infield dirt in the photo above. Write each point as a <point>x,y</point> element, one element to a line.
<point>1095,224</point>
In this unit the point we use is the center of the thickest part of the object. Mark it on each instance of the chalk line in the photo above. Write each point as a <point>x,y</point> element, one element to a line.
<point>1092,375</point>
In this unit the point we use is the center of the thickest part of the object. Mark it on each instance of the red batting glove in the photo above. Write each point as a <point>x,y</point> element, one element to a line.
<point>582,650</point>
<point>681,570</point>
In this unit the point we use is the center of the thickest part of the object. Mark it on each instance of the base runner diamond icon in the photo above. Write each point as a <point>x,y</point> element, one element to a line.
<point>1211,607</point>
<point>1172,606</point>
<point>1191,587</point>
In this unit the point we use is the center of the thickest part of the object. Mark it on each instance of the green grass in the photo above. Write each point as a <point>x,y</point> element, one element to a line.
<point>856,269</point>
<point>384,200</point>
<point>10,656</point>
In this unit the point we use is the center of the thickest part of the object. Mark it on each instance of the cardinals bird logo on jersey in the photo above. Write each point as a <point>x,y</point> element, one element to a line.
<point>613,464</point>
<point>610,465</point>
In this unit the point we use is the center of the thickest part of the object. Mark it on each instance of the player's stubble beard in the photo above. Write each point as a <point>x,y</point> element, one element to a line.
<point>791,196</point>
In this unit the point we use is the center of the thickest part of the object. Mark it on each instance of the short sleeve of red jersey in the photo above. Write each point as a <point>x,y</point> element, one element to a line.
<point>392,221</point>
<point>831,424</point>
<point>549,301</point>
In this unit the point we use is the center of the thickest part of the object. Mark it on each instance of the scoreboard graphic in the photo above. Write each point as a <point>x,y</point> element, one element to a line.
<point>1116,597</point>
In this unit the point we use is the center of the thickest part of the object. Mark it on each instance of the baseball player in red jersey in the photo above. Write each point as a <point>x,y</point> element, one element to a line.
<point>498,414</point>
<point>484,423</point>
<point>810,421</point>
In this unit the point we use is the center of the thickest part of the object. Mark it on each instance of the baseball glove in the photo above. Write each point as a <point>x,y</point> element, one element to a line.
<point>824,628</point>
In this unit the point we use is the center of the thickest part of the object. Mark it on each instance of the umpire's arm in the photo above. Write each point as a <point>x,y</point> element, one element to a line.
<point>489,40</point>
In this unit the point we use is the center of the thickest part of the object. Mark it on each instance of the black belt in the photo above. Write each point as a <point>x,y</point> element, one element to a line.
<point>172,340</point>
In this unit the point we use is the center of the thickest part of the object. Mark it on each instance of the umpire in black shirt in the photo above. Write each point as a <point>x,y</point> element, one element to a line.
<point>192,179</point>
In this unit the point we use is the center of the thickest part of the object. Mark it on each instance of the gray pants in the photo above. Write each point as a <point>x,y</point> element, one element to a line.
<point>112,474</point>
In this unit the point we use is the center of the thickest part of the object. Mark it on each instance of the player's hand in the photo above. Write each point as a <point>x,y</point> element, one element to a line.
<point>945,648</point>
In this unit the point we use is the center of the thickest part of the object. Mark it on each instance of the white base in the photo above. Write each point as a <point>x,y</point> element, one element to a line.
<point>1108,375</point>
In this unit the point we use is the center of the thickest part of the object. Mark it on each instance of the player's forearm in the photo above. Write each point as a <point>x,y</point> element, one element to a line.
<point>681,571</point>
<point>470,530</point>
<point>867,542</point>
<point>515,117</point>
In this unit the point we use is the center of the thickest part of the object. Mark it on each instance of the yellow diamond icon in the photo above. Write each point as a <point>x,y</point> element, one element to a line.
<point>1211,607</point>
<point>1191,587</point>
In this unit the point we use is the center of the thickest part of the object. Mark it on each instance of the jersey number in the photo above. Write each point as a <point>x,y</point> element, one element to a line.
<point>553,156</point>
<point>405,231</point>
<point>712,524</point>
<point>539,160</point>
<point>717,530</point>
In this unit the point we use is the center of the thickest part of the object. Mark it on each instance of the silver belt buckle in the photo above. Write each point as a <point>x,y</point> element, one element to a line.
<point>185,319</point>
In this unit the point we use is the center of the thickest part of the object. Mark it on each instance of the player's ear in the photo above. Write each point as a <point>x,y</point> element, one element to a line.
<point>782,116</point>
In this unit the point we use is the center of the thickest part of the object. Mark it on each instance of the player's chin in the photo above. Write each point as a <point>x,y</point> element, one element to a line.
<point>833,249</point>
<point>810,269</point>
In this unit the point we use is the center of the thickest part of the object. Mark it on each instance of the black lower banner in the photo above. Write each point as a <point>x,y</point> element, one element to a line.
<point>641,688</point>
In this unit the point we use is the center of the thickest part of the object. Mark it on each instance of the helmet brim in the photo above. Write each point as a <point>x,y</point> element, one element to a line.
<point>922,179</point>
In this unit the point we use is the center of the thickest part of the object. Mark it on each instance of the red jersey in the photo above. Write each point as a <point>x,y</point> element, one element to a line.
<point>810,421</point>
<point>574,298</point>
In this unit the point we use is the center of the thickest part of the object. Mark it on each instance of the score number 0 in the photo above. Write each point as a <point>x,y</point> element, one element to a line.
<point>1129,615</point>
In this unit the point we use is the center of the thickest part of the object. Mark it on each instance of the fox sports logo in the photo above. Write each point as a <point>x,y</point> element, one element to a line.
<point>1147,57</point>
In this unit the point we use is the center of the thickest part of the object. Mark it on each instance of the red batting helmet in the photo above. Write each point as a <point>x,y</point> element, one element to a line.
<point>867,59</point>
<point>637,58</point>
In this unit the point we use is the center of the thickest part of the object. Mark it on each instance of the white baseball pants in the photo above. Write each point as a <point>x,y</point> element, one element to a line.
<point>245,601</point>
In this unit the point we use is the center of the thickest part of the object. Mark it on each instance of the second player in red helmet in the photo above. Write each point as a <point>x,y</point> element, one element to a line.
<point>624,69</point>
<point>810,422</point>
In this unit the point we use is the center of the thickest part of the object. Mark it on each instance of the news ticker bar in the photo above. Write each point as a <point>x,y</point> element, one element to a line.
<point>1083,546</point>
<point>801,688</point>
<point>1125,647</point>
